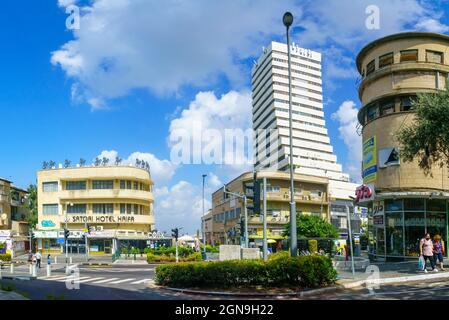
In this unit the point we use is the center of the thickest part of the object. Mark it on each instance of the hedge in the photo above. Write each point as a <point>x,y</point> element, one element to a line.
<point>282,271</point>
<point>152,258</point>
<point>5,257</point>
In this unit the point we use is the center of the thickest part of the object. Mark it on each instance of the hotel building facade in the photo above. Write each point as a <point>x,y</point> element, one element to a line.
<point>312,150</point>
<point>403,203</point>
<point>14,231</point>
<point>222,224</point>
<point>115,203</point>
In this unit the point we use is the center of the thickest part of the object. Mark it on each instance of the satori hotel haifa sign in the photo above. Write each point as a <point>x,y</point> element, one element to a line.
<point>101,219</point>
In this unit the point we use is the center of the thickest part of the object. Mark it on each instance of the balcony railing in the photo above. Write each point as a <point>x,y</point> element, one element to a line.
<point>106,193</point>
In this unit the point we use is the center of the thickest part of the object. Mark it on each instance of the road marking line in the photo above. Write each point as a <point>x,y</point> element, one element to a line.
<point>69,278</point>
<point>56,278</point>
<point>121,281</point>
<point>140,281</point>
<point>91,279</point>
<point>106,280</point>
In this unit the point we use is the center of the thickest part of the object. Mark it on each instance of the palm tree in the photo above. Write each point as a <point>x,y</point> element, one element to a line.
<point>67,163</point>
<point>44,165</point>
<point>118,160</point>
<point>82,162</point>
<point>138,162</point>
<point>51,164</point>
<point>105,161</point>
<point>97,161</point>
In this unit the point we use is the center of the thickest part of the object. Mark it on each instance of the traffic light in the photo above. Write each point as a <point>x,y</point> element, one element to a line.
<point>66,233</point>
<point>175,233</point>
<point>255,196</point>
<point>88,228</point>
<point>242,227</point>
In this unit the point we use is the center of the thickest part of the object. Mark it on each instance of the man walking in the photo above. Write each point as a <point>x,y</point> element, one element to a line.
<point>38,259</point>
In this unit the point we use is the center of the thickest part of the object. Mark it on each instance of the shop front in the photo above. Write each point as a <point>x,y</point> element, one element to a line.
<point>49,241</point>
<point>101,242</point>
<point>397,225</point>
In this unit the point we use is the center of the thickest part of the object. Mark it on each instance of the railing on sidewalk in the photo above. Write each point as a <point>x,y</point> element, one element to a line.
<point>116,256</point>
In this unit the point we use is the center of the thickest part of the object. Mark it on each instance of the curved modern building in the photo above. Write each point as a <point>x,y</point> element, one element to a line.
<point>114,202</point>
<point>403,202</point>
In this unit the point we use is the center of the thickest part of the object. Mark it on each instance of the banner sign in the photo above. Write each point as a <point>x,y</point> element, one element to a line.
<point>369,160</point>
<point>101,219</point>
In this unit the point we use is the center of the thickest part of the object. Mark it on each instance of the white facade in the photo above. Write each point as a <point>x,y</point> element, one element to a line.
<point>312,150</point>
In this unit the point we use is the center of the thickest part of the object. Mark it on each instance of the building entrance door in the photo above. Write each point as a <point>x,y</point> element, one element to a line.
<point>107,247</point>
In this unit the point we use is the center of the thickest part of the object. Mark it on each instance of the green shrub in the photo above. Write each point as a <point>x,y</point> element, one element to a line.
<point>152,258</point>
<point>313,246</point>
<point>279,255</point>
<point>5,257</point>
<point>280,271</point>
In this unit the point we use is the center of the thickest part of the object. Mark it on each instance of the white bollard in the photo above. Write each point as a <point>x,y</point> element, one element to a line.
<point>56,259</point>
<point>48,270</point>
<point>31,269</point>
<point>1,276</point>
<point>12,268</point>
<point>70,260</point>
<point>34,271</point>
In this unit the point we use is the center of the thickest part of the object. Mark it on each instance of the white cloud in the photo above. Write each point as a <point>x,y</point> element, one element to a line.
<point>346,115</point>
<point>66,3</point>
<point>165,45</point>
<point>161,170</point>
<point>208,112</point>
<point>180,206</point>
<point>432,25</point>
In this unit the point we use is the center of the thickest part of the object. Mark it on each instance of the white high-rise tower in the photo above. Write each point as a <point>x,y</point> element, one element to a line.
<point>312,150</point>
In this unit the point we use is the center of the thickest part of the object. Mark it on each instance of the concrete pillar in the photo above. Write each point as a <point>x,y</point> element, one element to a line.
<point>48,270</point>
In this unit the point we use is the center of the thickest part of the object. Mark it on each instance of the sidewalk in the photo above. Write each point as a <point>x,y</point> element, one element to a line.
<point>9,295</point>
<point>76,258</point>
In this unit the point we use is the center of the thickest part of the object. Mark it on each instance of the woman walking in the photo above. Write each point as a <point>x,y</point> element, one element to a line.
<point>438,250</point>
<point>426,250</point>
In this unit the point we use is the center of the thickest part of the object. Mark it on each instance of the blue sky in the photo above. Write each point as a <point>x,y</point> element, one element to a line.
<point>136,70</point>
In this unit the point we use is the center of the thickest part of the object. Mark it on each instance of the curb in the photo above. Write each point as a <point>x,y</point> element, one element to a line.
<point>96,264</point>
<point>18,277</point>
<point>305,293</point>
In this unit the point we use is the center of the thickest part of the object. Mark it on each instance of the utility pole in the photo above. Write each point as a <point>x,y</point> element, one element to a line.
<point>244,198</point>
<point>351,251</point>
<point>265,241</point>
<point>203,225</point>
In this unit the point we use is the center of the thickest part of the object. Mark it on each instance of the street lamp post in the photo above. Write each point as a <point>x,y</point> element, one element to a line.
<point>203,226</point>
<point>288,21</point>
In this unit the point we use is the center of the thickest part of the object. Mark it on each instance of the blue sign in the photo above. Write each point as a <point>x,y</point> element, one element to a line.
<point>48,224</point>
<point>60,240</point>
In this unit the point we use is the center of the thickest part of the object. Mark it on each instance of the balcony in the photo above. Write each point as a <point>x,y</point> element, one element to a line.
<point>278,196</point>
<point>119,194</point>
<point>270,220</point>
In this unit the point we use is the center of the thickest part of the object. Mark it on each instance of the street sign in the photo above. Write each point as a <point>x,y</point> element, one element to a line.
<point>60,240</point>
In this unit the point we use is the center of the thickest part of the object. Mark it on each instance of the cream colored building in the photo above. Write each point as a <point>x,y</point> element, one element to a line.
<point>403,202</point>
<point>114,202</point>
<point>13,218</point>
<point>223,222</point>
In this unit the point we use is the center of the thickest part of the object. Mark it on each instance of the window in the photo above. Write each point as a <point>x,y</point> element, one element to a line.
<point>128,184</point>
<point>370,67</point>
<point>50,186</point>
<point>274,189</point>
<point>136,185</point>
<point>434,56</point>
<point>406,104</point>
<point>102,184</point>
<point>386,60</point>
<point>76,208</point>
<point>393,205</point>
<point>75,185</point>
<point>373,112</point>
<point>103,208</point>
<point>409,55</point>
<point>50,209</point>
<point>386,107</point>
<point>122,184</point>
<point>122,208</point>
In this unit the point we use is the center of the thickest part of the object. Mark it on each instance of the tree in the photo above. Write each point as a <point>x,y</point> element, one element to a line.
<point>308,226</point>
<point>427,137</point>
<point>32,206</point>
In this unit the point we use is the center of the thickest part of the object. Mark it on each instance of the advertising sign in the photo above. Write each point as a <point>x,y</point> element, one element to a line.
<point>369,160</point>
<point>388,157</point>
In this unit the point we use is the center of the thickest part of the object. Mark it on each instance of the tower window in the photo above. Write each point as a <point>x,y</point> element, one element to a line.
<point>409,55</point>
<point>386,60</point>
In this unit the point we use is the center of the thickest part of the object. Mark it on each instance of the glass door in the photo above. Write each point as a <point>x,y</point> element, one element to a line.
<point>107,247</point>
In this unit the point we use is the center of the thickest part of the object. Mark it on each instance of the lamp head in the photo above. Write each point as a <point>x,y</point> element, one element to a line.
<point>287,19</point>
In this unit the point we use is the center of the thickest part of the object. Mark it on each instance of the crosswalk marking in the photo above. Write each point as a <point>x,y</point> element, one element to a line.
<point>140,281</point>
<point>90,279</point>
<point>106,280</point>
<point>72,279</point>
<point>123,280</point>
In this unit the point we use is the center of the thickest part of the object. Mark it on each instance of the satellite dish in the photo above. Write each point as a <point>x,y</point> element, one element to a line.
<point>4,216</point>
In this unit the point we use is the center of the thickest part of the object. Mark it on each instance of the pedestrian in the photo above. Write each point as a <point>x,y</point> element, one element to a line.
<point>426,251</point>
<point>438,250</point>
<point>49,259</point>
<point>30,257</point>
<point>38,259</point>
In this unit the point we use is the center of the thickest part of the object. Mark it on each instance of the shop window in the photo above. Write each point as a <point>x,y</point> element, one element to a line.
<point>409,55</point>
<point>436,224</point>
<point>434,56</point>
<point>414,225</point>
<point>393,205</point>
<point>373,113</point>
<point>386,60</point>
<point>370,67</point>
<point>406,104</point>
<point>436,205</point>
<point>414,204</point>
<point>387,107</point>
